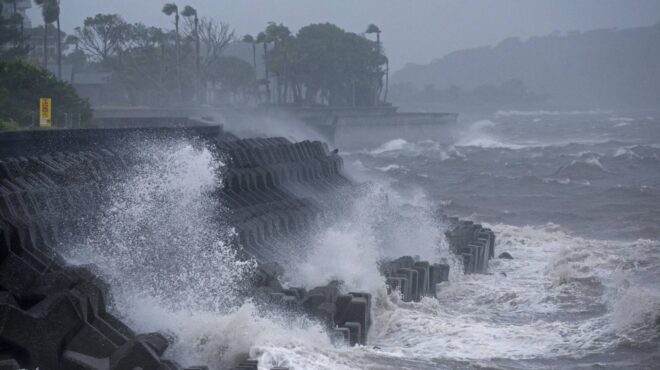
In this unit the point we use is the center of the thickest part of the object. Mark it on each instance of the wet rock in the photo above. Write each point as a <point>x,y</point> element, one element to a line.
<point>505,256</point>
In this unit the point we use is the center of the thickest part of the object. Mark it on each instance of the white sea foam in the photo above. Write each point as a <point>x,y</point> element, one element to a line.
<point>472,319</point>
<point>220,340</point>
<point>531,312</point>
<point>390,167</point>
<point>504,113</point>
<point>381,224</point>
<point>622,119</point>
<point>392,145</point>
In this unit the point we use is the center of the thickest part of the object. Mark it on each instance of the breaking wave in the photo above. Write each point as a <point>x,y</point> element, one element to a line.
<point>587,168</point>
<point>508,113</point>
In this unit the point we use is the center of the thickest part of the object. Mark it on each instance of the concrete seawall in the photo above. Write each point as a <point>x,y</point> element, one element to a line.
<point>55,315</point>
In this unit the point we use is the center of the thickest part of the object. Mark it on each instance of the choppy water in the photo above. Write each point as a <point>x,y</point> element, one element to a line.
<point>574,197</point>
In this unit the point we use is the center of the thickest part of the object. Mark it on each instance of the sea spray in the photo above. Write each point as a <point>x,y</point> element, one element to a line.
<point>163,244</point>
<point>162,232</point>
<point>380,224</point>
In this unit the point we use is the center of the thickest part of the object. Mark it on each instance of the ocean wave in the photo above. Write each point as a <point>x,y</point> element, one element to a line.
<point>561,180</point>
<point>532,306</point>
<point>391,167</point>
<point>582,169</point>
<point>477,135</point>
<point>392,145</point>
<point>490,143</point>
<point>481,134</point>
<point>621,119</point>
<point>401,147</point>
<point>625,152</point>
<point>637,152</point>
<point>503,113</point>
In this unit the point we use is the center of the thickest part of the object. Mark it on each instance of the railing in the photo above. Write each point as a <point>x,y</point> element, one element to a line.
<point>69,120</point>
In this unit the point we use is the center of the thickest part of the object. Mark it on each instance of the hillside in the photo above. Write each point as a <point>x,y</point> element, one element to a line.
<point>599,69</point>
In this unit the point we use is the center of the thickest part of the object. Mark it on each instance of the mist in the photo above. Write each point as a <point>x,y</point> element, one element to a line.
<point>309,184</point>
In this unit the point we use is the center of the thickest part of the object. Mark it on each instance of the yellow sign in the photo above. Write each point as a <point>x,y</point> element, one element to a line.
<point>45,113</point>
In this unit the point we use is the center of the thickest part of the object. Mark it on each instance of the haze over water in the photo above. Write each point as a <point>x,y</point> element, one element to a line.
<point>572,196</point>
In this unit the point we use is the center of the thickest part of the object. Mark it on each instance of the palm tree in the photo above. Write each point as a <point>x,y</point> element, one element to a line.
<point>169,9</point>
<point>278,34</point>
<point>14,14</point>
<point>189,12</point>
<point>263,39</point>
<point>372,28</point>
<point>59,43</point>
<point>50,12</point>
<point>250,40</point>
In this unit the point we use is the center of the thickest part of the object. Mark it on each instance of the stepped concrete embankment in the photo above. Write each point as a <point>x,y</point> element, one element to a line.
<point>54,315</point>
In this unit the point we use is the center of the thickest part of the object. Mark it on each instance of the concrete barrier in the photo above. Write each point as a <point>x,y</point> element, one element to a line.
<point>474,243</point>
<point>413,279</point>
<point>54,315</point>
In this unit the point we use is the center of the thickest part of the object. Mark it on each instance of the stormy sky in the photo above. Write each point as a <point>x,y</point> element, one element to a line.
<point>415,31</point>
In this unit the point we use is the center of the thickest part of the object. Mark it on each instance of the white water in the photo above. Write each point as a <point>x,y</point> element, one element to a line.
<point>162,218</point>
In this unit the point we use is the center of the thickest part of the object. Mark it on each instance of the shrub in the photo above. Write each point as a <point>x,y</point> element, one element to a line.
<point>21,86</point>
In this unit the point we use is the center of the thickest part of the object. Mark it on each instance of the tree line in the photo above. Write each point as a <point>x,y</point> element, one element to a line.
<point>322,64</point>
<point>152,66</point>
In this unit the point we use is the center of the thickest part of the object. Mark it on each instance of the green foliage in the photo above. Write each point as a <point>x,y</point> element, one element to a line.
<point>372,28</point>
<point>12,42</point>
<point>232,72</point>
<point>170,8</point>
<point>323,62</point>
<point>189,11</point>
<point>8,126</point>
<point>50,10</point>
<point>102,35</point>
<point>21,86</point>
<point>150,66</point>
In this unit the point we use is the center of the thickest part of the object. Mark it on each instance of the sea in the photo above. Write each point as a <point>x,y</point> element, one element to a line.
<point>573,197</point>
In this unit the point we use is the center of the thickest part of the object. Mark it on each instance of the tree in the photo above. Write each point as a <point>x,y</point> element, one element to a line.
<point>235,76</point>
<point>279,34</point>
<point>77,57</point>
<point>12,41</point>
<point>14,4</point>
<point>59,43</point>
<point>248,39</point>
<point>190,12</point>
<point>50,12</point>
<point>263,39</point>
<point>324,62</point>
<point>102,35</point>
<point>142,68</point>
<point>169,9</point>
<point>27,84</point>
<point>372,28</point>
<point>215,36</point>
